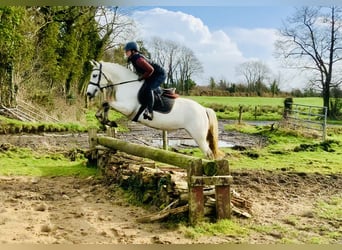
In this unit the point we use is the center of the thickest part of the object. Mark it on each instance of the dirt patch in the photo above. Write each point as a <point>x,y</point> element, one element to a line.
<point>74,210</point>
<point>285,205</point>
<point>71,210</point>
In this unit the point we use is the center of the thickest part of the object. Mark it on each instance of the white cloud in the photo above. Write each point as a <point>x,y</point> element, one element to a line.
<point>255,42</point>
<point>219,51</point>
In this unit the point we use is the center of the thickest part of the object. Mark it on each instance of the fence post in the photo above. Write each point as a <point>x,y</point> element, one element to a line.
<point>165,141</point>
<point>92,140</point>
<point>196,197</point>
<point>240,114</point>
<point>111,132</point>
<point>325,123</point>
<point>222,193</point>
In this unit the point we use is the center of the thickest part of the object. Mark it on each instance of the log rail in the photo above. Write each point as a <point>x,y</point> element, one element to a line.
<point>200,172</point>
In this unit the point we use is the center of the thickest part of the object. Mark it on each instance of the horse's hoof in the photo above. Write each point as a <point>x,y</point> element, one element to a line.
<point>113,124</point>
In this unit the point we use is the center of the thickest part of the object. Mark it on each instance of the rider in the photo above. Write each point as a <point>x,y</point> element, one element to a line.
<point>153,74</point>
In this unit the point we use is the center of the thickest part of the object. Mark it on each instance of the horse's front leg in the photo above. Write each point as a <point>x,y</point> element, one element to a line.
<point>106,120</point>
<point>102,115</point>
<point>99,114</point>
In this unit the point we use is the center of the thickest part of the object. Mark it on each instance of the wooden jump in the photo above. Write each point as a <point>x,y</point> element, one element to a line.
<point>200,173</point>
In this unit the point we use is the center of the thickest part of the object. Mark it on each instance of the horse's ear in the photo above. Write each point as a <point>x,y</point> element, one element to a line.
<point>93,63</point>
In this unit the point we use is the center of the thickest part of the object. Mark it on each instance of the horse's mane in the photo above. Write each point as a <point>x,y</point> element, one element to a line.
<point>121,71</point>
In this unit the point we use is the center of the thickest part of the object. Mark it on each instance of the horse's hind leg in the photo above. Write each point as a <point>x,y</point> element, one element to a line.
<point>202,143</point>
<point>207,151</point>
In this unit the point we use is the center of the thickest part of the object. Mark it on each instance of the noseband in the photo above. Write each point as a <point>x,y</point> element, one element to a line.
<point>97,84</point>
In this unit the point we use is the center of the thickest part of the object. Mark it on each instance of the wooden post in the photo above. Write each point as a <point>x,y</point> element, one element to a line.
<point>196,197</point>
<point>240,114</point>
<point>92,138</point>
<point>222,193</point>
<point>111,132</point>
<point>165,141</point>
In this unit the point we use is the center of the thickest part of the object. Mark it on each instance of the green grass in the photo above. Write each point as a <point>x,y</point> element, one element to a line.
<point>330,209</point>
<point>222,227</point>
<point>285,149</point>
<point>254,108</point>
<point>8,126</point>
<point>26,162</point>
<point>253,101</point>
<point>288,150</point>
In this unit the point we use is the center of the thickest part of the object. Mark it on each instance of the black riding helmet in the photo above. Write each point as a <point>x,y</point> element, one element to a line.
<point>131,46</point>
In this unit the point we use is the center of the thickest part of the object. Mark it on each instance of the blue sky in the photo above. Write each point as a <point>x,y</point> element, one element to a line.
<point>222,37</point>
<point>218,17</point>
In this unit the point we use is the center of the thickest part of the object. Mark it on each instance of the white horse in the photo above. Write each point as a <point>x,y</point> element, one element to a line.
<point>122,89</point>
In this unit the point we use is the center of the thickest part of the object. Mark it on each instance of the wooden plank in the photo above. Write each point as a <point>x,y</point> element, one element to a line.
<point>163,214</point>
<point>224,180</point>
<point>196,197</point>
<point>223,206</point>
<point>156,154</point>
<point>222,192</point>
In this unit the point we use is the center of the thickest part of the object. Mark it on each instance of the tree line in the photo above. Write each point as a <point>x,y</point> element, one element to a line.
<point>45,50</point>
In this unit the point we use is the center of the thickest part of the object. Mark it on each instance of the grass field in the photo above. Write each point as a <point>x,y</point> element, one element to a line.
<point>254,108</point>
<point>253,101</point>
<point>285,149</point>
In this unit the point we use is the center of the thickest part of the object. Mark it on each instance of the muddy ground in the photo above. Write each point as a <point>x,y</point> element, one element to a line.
<point>74,210</point>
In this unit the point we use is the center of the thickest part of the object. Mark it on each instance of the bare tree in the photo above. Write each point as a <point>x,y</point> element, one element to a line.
<point>254,72</point>
<point>312,38</point>
<point>167,54</point>
<point>179,62</point>
<point>189,66</point>
<point>115,27</point>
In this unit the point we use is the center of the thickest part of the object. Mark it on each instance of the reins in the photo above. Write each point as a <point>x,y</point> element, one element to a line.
<point>108,81</point>
<point>120,83</point>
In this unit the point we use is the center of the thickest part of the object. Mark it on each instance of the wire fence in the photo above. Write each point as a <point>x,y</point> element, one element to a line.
<point>306,118</point>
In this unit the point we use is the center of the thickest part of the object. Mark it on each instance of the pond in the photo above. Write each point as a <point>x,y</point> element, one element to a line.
<point>186,143</point>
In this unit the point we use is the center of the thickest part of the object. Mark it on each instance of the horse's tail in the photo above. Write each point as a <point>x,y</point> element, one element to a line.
<point>212,136</point>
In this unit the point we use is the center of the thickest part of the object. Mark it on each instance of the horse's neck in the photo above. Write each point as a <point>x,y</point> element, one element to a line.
<point>126,90</point>
<point>126,94</point>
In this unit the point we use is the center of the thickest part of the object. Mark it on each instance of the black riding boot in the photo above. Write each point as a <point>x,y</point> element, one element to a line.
<point>148,114</point>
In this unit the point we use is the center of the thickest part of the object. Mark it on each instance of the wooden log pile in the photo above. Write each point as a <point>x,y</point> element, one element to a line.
<point>160,185</point>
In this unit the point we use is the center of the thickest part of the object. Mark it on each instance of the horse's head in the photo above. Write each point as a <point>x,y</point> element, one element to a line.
<point>98,80</point>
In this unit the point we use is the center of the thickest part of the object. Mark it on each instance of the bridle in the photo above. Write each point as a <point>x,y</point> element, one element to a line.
<point>109,82</point>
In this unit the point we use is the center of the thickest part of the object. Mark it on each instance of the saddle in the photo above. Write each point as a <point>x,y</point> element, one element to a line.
<point>163,101</point>
<point>170,93</point>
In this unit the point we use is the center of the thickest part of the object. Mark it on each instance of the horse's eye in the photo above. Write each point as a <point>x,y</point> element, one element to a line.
<point>94,75</point>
